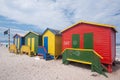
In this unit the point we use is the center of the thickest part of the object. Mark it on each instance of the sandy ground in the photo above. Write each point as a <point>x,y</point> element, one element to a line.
<point>23,67</point>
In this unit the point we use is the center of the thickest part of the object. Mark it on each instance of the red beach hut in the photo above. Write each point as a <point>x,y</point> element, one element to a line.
<point>88,35</point>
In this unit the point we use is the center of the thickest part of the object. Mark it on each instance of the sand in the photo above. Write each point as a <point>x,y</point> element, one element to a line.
<point>23,67</point>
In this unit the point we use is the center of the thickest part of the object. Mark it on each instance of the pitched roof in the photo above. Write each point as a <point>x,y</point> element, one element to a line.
<point>32,32</point>
<point>92,23</point>
<point>19,34</point>
<point>56,32</point>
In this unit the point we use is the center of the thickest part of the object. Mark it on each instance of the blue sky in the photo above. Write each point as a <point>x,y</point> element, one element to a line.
<point>36,15</point>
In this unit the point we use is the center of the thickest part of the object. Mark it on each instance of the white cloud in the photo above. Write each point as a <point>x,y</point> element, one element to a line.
<point>49,13</point>
<point>43,13</point>
<point>12,33</point>
<point>12,30</point>
<point>59,14</point>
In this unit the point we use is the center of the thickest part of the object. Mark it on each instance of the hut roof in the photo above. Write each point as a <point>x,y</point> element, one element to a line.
<point>18,34</point>
<point>31,32</point>
<point>56,32</point>
<point>91,23</point>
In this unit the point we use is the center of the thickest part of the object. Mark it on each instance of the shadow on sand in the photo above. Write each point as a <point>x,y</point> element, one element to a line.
<point>116,67</point>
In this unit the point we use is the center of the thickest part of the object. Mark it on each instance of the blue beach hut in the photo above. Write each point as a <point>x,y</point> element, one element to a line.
<point>18,40</point>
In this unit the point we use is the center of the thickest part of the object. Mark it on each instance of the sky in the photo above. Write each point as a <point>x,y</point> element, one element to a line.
<point>22,16</point>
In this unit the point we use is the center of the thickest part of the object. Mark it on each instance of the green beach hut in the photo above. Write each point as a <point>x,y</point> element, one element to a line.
<point>33,40</point>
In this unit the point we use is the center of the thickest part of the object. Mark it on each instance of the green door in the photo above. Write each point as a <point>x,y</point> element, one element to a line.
<point>88,41</point>
<point>75,41</point>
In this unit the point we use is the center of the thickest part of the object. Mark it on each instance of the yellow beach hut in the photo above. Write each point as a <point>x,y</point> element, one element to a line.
<point>52,42</point>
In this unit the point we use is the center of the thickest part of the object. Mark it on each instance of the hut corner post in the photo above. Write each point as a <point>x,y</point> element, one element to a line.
<point>9,38</point>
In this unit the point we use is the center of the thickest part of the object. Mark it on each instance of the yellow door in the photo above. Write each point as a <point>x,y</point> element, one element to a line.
<point>18,46</point>
<point>33,44</point>
<point>28,41</point>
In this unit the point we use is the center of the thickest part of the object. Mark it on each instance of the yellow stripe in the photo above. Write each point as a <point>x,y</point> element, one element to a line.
<point>84,62</point>
<point>15,41</point>
<point>18,43</point>
<point>84,50</point>
<point>29,42</point>
<point>77,49</point>
<point>97,54</point>
<point>93,23</point>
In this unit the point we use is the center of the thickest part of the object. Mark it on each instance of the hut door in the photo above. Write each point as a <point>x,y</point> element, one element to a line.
<point>88,40</point>
<point>28,41</point>
<point>33,44</point>
<point>16,41</point>
<point>75,41</point>
<point>46,43</point>
<point>18,46</point>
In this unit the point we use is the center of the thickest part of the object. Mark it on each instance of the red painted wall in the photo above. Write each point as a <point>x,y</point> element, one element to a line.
<point>103,40</point>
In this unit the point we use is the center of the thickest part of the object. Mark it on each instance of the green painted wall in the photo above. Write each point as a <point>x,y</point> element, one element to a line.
<point>38,40</point>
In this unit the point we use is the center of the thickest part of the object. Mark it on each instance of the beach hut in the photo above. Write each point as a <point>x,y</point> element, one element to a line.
<point>88,35</point>
<point>33,40</point>
<point>18,40</point>
<point>52,42</point>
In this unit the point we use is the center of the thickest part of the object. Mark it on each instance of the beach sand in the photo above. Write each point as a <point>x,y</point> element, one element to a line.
<point>23,67</point>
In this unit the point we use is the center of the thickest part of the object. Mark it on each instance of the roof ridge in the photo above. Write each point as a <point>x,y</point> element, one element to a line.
<point>54,31</point>
<point>92,23</point>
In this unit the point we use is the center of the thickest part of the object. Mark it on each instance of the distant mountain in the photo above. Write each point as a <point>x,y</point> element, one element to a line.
<point>6,41</point>
<point>118,44</point>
